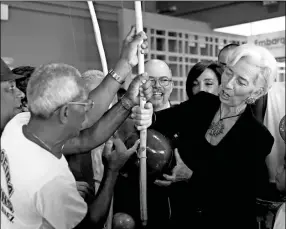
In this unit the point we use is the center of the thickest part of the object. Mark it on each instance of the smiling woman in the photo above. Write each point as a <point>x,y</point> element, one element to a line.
<point>204,76</point>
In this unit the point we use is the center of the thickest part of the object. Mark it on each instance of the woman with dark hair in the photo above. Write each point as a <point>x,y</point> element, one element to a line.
<point>204,76</point>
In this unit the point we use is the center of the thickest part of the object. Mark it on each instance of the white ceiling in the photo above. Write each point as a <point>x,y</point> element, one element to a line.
<point>255,28</point>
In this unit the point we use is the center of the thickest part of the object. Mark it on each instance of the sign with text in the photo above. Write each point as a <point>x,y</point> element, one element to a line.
<point>275,42</point>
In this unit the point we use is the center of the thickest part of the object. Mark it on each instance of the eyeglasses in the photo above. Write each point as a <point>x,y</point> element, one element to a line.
<point>163,81</point>
<point>87,105</point>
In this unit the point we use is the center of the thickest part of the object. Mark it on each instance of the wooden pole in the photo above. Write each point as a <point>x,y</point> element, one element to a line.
<point>105,72</point>
<point>143,133</point>
<point>98,37</point>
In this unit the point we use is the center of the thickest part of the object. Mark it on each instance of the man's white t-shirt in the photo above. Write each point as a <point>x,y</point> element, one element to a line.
<point>38,191</point>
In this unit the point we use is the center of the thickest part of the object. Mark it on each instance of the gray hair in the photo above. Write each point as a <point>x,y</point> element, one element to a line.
<point>92,78</point>
<point>51,86</point>
<point>262,59</point>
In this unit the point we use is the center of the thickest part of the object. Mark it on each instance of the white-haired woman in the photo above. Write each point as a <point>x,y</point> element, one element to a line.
<point>223,144</point>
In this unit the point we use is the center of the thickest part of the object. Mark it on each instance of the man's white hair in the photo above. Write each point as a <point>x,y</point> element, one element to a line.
<point>92,78</point>
<point>262,58</point>
<point>51,86</point>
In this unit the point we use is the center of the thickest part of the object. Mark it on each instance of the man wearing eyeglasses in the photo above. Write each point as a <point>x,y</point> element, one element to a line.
<point>160,76</point>
<point>10,95</point>
<point>37,188</point>
<point>161,80</point>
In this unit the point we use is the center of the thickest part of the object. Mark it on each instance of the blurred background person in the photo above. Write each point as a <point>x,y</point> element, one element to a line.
<point>26,72</point>
<point>275,122</point>
<point>11,96</point>
<point>225,52</point>
<point>280,178</point>
<point>204,76</point>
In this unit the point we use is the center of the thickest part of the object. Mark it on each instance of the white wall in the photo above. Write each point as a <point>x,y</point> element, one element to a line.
<point>41,32</point>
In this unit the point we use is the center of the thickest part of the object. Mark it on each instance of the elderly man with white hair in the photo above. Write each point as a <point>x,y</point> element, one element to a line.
<point>223,144</point>
<point>37,187</point>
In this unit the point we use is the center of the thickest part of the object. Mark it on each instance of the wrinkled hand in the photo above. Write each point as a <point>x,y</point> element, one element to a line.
<point>179,173</point>
<point>84,189</point>
<point>130,46</point>
<point>115,159</point>
<point>142,116</point>
<point>139,86</point>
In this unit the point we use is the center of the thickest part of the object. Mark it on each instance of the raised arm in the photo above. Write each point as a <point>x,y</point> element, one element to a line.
<point>67,209</point>
<point>111,120</point>
<point>171,121</point>
<point>103,95</point>
<point>114,160</point>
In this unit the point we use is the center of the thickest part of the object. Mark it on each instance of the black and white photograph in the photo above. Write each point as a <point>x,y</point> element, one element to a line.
<point>143,114</point>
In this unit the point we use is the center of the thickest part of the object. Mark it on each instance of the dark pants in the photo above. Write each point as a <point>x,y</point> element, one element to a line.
<point>194,212</point>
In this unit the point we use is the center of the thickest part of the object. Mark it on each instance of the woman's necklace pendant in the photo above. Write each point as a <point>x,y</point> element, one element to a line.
<point>216,128</point>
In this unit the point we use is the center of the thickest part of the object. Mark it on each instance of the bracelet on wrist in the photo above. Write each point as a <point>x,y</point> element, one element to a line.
<point>115,76</point>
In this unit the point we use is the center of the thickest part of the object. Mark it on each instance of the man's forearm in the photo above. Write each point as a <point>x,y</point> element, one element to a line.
<point>99,208</point>
<point>103,95</point>
<point>100,132</point>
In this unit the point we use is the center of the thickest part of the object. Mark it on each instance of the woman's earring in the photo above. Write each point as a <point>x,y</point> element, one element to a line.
<point>250,100</point>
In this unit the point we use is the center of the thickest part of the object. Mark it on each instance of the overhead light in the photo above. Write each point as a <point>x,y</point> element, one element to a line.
<point>171,9</point>
<point>255,28</point>
<point>268,3</point>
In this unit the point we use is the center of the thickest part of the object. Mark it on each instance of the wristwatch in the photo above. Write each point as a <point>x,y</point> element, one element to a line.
<point>115,76</point>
